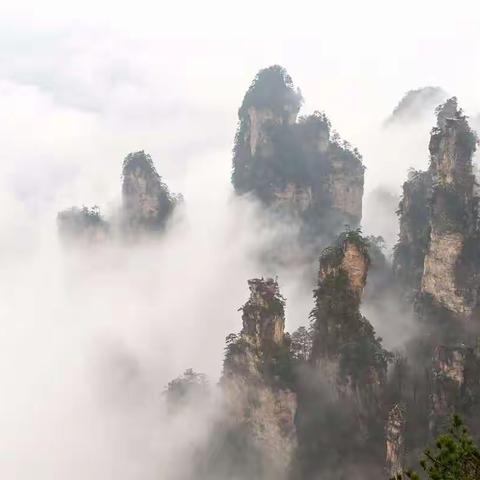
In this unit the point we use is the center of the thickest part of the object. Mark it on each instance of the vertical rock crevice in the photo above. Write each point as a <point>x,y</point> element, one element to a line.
<point>448,277</point>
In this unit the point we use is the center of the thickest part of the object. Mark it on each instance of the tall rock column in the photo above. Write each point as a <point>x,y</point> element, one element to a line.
<point>256,382</point>
<point>344,343</point>
<point>414,218</point>
<point>147,202</point>
<point>342,413</point>
<point>449,275</point>
<point>455,384</point>
<point>299,169</point>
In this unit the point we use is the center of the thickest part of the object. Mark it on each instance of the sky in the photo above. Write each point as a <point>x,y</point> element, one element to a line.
<point>88,83</point>
<point>81,86</point>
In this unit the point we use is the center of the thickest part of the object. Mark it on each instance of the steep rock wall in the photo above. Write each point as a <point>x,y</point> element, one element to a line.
<point>147,202</point>
<point>414,220</point>
<point>453,212</point>
<point>455,385</point>
<point>295,166</point>
<point>395,435</point>
<point>439,271</point>
<point>255,380</point>
<point>345,347</point>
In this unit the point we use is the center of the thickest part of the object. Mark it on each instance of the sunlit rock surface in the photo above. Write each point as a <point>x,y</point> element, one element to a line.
<point>256,380</point>
<point>146,201</point>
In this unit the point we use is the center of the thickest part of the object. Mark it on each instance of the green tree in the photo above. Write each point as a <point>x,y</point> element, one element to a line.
<point>302,340</point>
<point>454,457</point>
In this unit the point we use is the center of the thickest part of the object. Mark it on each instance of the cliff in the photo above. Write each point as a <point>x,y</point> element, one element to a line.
<point>436,258</point>
<point>344,341</point>
<point>436,255</point>
<point>344,388</point>
<point>448,275</point>
<point>147,204</point>
<point>256,382</point>
<point>454,384</point>
<point>296,167</point>
<point>414,219</point>
<point>395,438</point>
<point>146,201</point>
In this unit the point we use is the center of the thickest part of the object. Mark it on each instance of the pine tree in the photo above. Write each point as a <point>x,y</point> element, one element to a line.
<point>454,457</point>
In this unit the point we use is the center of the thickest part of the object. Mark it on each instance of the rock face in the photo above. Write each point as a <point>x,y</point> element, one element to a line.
<point>147,202</point>
<point>448,277</point>
<point>436,254</point>
<point>260,405</point>
<point>345,186</point>
<point>414,216</point>
<point>295,167</point>
<point>437,257</point>
<point>395,433</point>
<point>344,341</point>
<point>82,225</point>
<point>454,384</point>
<point>349,366</point>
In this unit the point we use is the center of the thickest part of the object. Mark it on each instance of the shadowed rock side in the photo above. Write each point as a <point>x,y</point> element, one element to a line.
<point>296,167</point>
<point>146,201</point>
<point>437,259</point>
<point>437,254</point>
<point>413,212</point>
<point>343,416</point>
<point>256,381</point>
<point>82,226</point>
<point>342,334</point>
<point>449,276</point>
<point>395,432</point>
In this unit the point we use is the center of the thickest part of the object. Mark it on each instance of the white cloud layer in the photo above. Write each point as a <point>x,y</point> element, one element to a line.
<point>90,339</point>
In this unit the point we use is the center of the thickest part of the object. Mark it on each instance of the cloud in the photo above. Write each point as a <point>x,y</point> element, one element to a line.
<point>90,338</point>
<point>416,104</point>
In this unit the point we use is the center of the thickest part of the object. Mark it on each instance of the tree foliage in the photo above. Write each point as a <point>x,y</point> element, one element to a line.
<point>272,88</point>
<point>454,456</point>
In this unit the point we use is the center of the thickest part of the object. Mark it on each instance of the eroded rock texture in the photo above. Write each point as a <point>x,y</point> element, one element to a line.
<point>437,253</point>
<point>147,201</point>
<point>448,275</point>
<point>348,365</point>
<point>414,215</point>
<point>455,384</point>
<point>345,340</point>
<point>256,382</point>
<point>297,167</point>
<point>437,258</point>
<point>395,434</point>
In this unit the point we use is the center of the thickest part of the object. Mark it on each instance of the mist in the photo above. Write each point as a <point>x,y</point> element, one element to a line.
<point>91,336</point>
